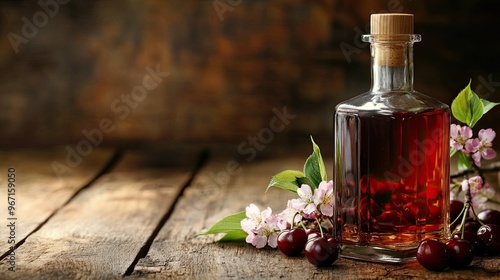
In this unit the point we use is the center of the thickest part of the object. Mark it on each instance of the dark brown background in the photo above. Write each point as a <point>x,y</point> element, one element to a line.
<point>226,72</point>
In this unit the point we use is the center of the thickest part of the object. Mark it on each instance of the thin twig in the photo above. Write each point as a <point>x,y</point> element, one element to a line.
<point>493,168</point>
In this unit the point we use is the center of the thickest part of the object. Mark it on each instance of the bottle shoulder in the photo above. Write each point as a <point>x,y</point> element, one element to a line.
<point>395,101</point>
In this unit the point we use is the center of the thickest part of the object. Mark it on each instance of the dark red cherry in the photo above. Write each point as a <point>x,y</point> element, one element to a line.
<point>433,255</point>
<point>415,211</point>
<point>312,233</point>
<point>461,253</point>
<point>472,226</point>
<point>489,216</point>
<point>292,242</point>
<point>490,234</point>
<point>315,232</point>
<point>456,207</point>
<point>320,252</point>
<point>474,240</point>
<point>392,220</point>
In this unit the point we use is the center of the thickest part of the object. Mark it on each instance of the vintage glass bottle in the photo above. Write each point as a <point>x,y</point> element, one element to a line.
<point>391,155</point>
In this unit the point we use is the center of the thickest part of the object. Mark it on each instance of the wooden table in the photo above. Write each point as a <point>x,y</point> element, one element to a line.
<point>134,214</point>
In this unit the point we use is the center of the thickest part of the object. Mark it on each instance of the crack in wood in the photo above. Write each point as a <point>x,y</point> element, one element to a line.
<point>111,163</point>
<point>202,160</point>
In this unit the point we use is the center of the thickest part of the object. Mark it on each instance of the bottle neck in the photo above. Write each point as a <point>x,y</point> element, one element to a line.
<point>392,62</point>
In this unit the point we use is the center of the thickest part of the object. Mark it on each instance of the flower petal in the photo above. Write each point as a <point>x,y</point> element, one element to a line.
<point>247,225</point>
<point>305,192</point>
<point>454,131</point>
<point>259,241</point>
<point>472,145</point>
<point>477,158</point>
<point>273,240</point>
<point>466,132</point>
<point>327,210</point>
<point>488,153</point>
<point>487,135</point>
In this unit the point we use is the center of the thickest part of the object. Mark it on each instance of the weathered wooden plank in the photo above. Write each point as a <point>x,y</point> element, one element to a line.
<point>39,188</point>
<point>100,232</point>
<point>177,254</point>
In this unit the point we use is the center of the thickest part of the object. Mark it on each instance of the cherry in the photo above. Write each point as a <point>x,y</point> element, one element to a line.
<point>292,242</point>
<point>472,226</point>
<point>315,232</point>
<point>433,255</point>
<point>474,240</point>
<point>321,252</point>
<point>461,253</point>
<point>414,211</point>
<point>490,234</point>
<point>392,220</point>
<point>456,207</point>
<point>489,216</point>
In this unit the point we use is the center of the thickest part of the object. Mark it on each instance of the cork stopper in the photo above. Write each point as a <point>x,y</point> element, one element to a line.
<point>392,25</point>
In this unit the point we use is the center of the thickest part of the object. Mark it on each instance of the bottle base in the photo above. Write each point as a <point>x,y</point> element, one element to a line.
<point>378,254</point>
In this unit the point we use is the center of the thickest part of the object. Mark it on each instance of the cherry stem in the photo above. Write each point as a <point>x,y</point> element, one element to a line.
<point>475,215</point>
<point>494,201</point>
<point>462,225</point>
<point>462,212</point>
<point>320,229</point>
<point>471,171</point>
<point>293,221</point>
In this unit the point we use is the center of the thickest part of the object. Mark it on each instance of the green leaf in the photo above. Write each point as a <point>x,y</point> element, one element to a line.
<point>477,109</point>
<point>288,180</point>
<point>314,168</point>
<point>234,236</point>
<point>231,226</point>
<point>464,161</point>
<point>452,151</point>
<point>467,107</point>
<point>488,105</point>
<point>304,180</point>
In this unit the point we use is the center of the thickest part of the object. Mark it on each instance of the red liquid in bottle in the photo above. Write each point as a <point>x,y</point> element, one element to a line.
<point>395,177</point>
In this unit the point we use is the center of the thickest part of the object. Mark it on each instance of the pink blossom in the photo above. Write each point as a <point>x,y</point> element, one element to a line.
<point>480,193</point>
<point>305,203</point>
<point>483,146</point>
<point>323,197</point>
<point>459,136</point>
<point>260,226</point>
<point>286,216</point>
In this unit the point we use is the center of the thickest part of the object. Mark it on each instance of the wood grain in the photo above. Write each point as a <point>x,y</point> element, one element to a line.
<point>99,233</point>
<point>177,254</point>
<point>39,191</point>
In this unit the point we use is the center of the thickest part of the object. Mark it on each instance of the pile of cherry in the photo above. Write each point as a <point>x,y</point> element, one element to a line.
<point>321,249</point>
<point>458,253</point>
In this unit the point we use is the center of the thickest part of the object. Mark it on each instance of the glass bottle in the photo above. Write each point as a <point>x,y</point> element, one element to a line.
<point>391,155</point>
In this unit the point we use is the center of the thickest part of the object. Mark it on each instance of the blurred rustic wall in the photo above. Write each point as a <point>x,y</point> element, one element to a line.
<point>216,72</point>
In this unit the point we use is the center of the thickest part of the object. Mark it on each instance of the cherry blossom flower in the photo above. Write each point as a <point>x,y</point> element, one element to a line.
<point>286,216</point>
<point>260,226</point>
<point>480,193</point>
<point>483,146</point>
<point>459,136</point>
<point>305,204</point>
<point>323,197</point>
